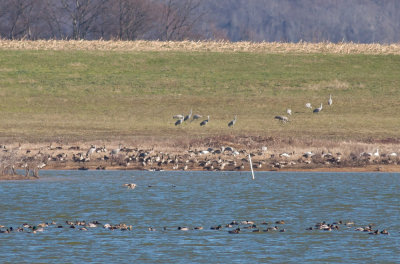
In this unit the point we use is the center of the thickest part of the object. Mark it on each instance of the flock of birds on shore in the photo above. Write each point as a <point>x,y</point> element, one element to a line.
<point>233,227</point>
<point>183,118</point>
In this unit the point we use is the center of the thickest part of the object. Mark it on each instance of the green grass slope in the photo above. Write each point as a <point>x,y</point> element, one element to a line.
<point>95,95</point>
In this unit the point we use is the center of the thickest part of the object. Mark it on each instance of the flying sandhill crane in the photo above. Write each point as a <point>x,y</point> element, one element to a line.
<point>232,123</point>
<point>289,111</point>
<point>317,110</point>
<point>308,105</point>
<point>180,121</point>
<point>188,116</point>
<point>330,100</point>
<point>204,122</point>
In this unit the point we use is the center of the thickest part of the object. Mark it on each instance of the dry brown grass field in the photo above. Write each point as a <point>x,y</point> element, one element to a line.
<point>203,46</point>
<point>114,91</point>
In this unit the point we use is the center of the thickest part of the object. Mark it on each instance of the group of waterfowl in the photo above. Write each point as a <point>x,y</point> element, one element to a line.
<point>223,158</point>
<point>233,227</point>
<point>348,225</point>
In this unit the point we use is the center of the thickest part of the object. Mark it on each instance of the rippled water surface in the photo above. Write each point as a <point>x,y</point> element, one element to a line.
<point>201,199</point>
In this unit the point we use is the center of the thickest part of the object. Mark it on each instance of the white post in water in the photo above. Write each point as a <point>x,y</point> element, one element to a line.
<point>251,167</point>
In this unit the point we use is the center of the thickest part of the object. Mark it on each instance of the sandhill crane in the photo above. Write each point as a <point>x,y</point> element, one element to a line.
<point>188,116</point>
<point>330,100</point>
<point>116,151</point>
<point>317,110</point>
<point>284,119</point>
<point>289,111</point>
<point>180,121</point>
<point>308,105</point>
<point>204,122</point>
<point>232,123</point>
<point>177,116</point>
<point>195,117</point>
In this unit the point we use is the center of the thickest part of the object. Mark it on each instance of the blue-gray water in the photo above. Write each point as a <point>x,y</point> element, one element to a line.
<point>201,199</point>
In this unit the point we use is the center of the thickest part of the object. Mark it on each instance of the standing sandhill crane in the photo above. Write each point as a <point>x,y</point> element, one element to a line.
<point>232,123</point>
<point>317,110</point>
<point>116,151</point>
<point>308,105</point>
<point>204,122</point>
<point>289,111</point>
<point>188,116</point>
<point>330,100</point>
<point>180,121</point>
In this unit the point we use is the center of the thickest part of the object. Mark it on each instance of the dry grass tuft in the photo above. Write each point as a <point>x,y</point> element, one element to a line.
<point>203,46</point>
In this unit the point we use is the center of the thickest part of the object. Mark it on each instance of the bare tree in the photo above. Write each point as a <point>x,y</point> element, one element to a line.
<point>82,15</point>
<point>133,18</point>
<point>178,19</point>
<point>16,18</point>
<point>53,19</point>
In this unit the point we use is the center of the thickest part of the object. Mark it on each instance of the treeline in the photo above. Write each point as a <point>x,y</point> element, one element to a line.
<point>360,21</point>
<point>363,21</point>
<point>100,19</point>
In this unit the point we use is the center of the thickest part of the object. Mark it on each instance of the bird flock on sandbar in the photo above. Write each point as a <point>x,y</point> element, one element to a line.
<point>184,118</point>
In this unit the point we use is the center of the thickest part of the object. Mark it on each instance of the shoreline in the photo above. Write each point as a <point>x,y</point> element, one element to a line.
<point>367,168</point>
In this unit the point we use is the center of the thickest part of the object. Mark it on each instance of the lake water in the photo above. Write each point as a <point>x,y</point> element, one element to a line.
<point>201,199</point>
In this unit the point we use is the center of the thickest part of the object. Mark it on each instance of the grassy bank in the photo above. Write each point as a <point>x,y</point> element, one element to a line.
<point>121,94</point>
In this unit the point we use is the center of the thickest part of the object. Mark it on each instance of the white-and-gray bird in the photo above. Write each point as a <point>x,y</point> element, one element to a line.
<point>330,100</point>
<point>289,111</point>
<point>195,117</point>
<point>180,121</point>
<point>308,105</point>
<point>284,119</point>
<point>178,117</point>
<point>188,116</point>
<point>232,123</point>
<point>317,110</point>
<point>204,122</point>
<point>116,151</point>
<point>91,150</point>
